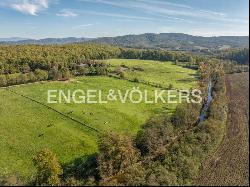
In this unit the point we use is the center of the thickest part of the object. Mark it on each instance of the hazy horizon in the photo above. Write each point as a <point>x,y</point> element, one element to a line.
<point>21,38</point>
<point>38,19</point>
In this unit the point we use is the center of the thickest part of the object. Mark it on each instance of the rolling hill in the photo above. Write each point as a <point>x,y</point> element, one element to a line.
<point>176,41</point>
<point>170,41</point>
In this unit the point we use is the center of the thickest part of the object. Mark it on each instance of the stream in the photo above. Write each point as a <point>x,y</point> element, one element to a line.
<point>207,104</point>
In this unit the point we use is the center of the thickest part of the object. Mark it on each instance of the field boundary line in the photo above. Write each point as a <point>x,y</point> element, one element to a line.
<point>48,107</point>
<point>24,84</point>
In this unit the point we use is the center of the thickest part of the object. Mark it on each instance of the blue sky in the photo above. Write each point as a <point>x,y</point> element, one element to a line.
<point>97,18</point>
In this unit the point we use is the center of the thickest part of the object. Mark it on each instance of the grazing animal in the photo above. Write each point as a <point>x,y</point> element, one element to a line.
<point>40,135</point>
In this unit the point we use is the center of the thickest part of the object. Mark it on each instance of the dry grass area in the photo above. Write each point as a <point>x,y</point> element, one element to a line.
<point>230,163</point>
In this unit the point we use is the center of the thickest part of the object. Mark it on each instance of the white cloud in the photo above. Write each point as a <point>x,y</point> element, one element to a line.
<point>118,15</point>
<point>174,11</point>
<point>31,7</point>
<point>67,13</point>
<point>84,25</point>
<point>183,6</point>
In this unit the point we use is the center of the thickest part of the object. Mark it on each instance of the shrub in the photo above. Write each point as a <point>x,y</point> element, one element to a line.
<point>48,168</point>
<point>101,71</point>
<point>3,80</point>
<point>54,74</point>
<point>65,73</point>
<point>25,68</point>
<point>92,70</point>
<point>81,71</point>
<point>170,86</point>
<point>22,78</point>
<point>118,70</point>
<point>11,79</point>
<point>41,75</point>
<point>31,77</point>
<point>136,80</point>
<point>122,75</point>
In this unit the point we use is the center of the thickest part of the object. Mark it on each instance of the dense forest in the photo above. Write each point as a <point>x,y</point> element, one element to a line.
<point>30,63</point>
<point>20,64</point>
<point>240,56</point>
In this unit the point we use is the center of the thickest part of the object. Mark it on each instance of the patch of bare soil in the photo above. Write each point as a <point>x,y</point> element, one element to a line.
<point>229,165</point>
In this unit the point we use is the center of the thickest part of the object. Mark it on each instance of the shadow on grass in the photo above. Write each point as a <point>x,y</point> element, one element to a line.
<point>82,168</point>
<point>187,80</point>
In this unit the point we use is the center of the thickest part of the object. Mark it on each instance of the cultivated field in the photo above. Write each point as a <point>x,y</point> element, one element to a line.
<point>28,124</point>
<point>230,164</point>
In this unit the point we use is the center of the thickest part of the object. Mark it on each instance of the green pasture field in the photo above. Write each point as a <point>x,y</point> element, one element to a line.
<point>162,73</point>
<point>28,123</point>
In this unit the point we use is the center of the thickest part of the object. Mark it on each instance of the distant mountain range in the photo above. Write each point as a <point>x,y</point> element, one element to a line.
<point>13,39</point>
<point>45,41</point>
<point>171,41</point>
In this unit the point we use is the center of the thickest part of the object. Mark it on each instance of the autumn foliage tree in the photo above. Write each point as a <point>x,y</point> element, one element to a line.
<point>48,168</point>
<point>186,115</point>
<point>116,153</point>
<point>154,136</point>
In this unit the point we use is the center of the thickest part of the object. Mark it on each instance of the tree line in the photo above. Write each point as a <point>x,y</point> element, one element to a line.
<point>30,63</point>
<point>21,64</point>
<point>241,56</point>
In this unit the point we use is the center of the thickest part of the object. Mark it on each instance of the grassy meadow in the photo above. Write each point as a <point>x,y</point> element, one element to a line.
<point>27,126</point>
<point>156,72</point>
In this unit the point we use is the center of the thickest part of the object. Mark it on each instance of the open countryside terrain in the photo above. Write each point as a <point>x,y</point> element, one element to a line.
<point>124,93</point>
<point>28,126</point>
<point>156,72</point>
<point>230,163</point>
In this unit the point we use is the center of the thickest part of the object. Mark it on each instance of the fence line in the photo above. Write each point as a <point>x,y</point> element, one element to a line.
<point>50,108</point>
